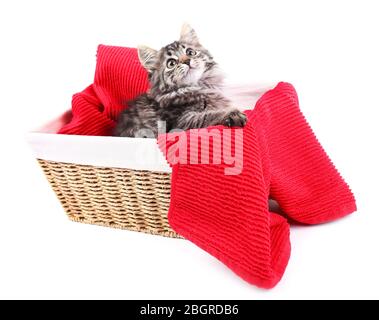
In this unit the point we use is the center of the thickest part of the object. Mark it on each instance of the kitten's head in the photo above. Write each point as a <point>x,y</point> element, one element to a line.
<point>182,63</point>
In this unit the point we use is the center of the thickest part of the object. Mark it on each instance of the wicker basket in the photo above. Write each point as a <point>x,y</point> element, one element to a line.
<point>135,200</point>
<point>122,183</point>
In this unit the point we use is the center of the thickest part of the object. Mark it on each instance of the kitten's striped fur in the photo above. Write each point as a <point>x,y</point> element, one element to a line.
<point>185,91</point>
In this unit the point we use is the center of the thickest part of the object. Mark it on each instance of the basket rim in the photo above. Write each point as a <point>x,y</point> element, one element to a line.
<point>99,151</point>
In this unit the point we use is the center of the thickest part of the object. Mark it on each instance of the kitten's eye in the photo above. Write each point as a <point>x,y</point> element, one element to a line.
<point>171,63</point>
<point>190,52</point>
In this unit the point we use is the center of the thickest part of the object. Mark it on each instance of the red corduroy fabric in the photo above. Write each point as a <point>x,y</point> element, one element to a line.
<point>119,78</point>
<point>304,181</point>
<point>228,216</point>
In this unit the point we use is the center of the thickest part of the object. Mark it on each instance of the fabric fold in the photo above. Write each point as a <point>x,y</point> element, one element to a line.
<point>119,78</point>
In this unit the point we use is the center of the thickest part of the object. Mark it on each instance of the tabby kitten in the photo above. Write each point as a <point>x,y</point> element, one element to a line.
<point>185,91</point>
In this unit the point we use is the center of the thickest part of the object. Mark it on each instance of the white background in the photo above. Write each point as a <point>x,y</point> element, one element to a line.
<point>327,49</point>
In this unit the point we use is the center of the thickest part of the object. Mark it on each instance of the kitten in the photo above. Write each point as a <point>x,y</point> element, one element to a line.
<point>185,91</point>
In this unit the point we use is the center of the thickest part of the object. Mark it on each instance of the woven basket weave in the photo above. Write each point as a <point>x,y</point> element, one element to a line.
<point>120,198</point>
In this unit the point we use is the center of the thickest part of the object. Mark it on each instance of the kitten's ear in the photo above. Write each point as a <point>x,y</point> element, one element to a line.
<point>148,57</point>
<point>188,34</point>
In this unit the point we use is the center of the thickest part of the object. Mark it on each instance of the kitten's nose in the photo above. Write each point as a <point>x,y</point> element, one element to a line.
<point>185,60</point>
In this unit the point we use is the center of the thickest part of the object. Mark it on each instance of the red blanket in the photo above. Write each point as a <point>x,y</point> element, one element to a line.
<point>222,178</point>
<point>221,205</point>
<point>119,78</point>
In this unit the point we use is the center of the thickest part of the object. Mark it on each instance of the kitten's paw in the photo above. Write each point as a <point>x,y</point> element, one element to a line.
<point>235,119</point>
